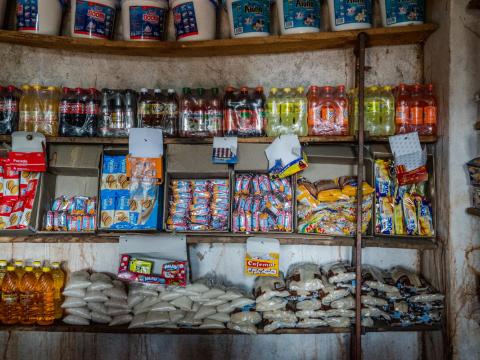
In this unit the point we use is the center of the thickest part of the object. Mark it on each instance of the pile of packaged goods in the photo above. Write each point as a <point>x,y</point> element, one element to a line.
<point>118,112</point>
<point>77,213</point>
<point>127,204</point>
<point>17,190</point>
<point>244,112</point>
<point>199,205</point>
<point>9,98</point>
<point>262,204</point>
<point>400,210</point>
<point>287,112</point>
<point>158,110</point>
<point>30,294</point>
<point>95,297</point>
<point>327,111</point>
<point>399,297</point>
<point>201,113</point>
<point>79,112</point>
<point>330,206</point>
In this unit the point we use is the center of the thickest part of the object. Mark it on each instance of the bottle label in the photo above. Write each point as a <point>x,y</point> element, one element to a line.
<point>430,115</point>
<point>185,20</point>
<point>94,19</point>
<point>402,114</point>
<point>301,13</point>
<point>328,114</point>
<point>251,16</point>
<point>91,108</point>
<point>9,299</point>
<point>64,107</point>
<point>400,11</point>
<point>26,299</point>
<point>416,115</point>
<point>214,121</point>
<point>147,22</point>
<point>27,14</point>
<point>353,11</point>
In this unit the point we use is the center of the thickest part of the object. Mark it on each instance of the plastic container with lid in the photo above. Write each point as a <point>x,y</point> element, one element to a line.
<point>94,20</point>
<point>297,17</point>
<point>43,18</point>
<point>3,6</point>
<point>402,12</point>
<point>194,19</point>
<point>249,18</point>
<point>144,20</point>
<point>350,15</point>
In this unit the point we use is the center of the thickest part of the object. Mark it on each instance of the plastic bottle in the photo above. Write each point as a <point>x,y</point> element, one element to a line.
<point>10,304</point>
<point>130,97</point>
<point>170,126</point>
<point>106,113</point>
<point>26,114</point>
<point>78,108</point>
<point>286,110</point>
<point>387,125</point>
<point>342,121</point>
<point>157,109</point>
<point>416,108</point>
<point>3,271</point>
<point>92,112</point>
<point>46,290</point>
<point>402,109</point>
<point>230,123</point>
<point>199,114</point>
<point>300,112</point>
<point>259,112</point>
<point>372,114</point>
<point>430,112</point>
<point>58,282</point>
<point>9,110</point>
<point>328,110</point>
<point>245,118</point>
<point>19,269</point>
<point>214,116</point>
<point>28,297</point>
<point>37,269</point>
<point>50,105</point>
<point>144,108</point>
<point>186,112</point>
<point>273,112</point>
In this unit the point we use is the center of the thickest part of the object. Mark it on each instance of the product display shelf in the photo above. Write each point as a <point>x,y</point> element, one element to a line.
<point>473,211</point>
<point>225,47</point>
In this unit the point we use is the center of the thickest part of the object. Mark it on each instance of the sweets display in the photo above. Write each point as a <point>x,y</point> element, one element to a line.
<point>400,210</point>
<point>330,206</point>
<point>199,205</point>
<point>77,213</point>
<point>262,204</point>
<point>287,112</point>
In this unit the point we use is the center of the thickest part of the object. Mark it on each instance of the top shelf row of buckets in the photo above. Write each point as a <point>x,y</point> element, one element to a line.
<point>146,20</point>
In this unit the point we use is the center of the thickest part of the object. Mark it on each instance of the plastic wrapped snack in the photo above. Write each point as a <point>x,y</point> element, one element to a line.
<point>374,312</point>
<point>338,272</point>
<point>335,295</point>
<point>338,321</point>
<point>373,301</point>
<point>313,304</point>
<point>303,279</point>
<point>212,324</point>
<point>311,314</point>
<point>340,312</point>
<point>347,302</point>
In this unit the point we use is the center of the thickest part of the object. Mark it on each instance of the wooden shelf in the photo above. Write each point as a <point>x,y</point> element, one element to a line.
<point>473,211</point>
<point>224,47</point>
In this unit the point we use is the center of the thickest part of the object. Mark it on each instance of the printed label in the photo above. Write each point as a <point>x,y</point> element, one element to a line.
<point>251,16</point>
<point>399,11</point>
<point>27,14</point>
<point>353,11</point>
<point>94,19</point>
<point>301,13</point>
<point>262,267</point>
<point>147,22</point>
<point>185,20</point>
<point>9,299</point>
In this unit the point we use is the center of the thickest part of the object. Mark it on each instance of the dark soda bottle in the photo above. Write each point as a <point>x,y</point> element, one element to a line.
<point>78,110</point>
<point>229,113</point>
<point>258,107</point>
<point>65,112</point>
<point>171,113</point>
<point>10,110</point>
<point>92,110</point>
<point>244,113</point>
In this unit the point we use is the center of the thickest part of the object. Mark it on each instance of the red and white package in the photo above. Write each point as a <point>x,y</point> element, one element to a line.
<point>6,208</point>
<point>27,161</point>
<point>31,186</point>
<point>2,163</point>
<point>27,213</point>
<point>11,184</point>
<point>16,215</point>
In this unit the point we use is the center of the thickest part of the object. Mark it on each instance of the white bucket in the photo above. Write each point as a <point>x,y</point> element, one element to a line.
<point>144,20</point>
<point>350,15</point>
<point>402,12</point>
<point>297,17</point>
<point>93,19</point>
<point>3,5</point>
<point>249,18</point>
<point>194,19</point>
<point>43,18</point>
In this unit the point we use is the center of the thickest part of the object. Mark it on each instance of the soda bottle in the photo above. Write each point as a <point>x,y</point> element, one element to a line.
<point>37,269</point>
<point>245,113</point>
<point>171,113</point>
<point>130,111</point>
<point>144,108</point>
<point>402,110</point>
<point>342,122</point>
<point>78,110</point>
<point>9,303</point>
<point>3,271</point>
<point>117,124</point>
<point>28,297</point>
<point>387,125</point>
<point>199,114</point>
<point>429,112</point>
<point>229,113</point>
<point>186,112</point>
<point>64,112</point>
<point>286,111</point>
<point>19,269</point>
<point>58,282</point>
<point>313,110</point>
<point>273,112</point>
<point>26,111</point>
<point>260,120</point>
<point>92,109</point>
<point>50,102</point>
<point>106,117</point>
<point>46,303</point>
<point>9,111</point>
<point>372,113</point>
<point>214,117</point>
<point>416,108</point>
<point>157,109</point>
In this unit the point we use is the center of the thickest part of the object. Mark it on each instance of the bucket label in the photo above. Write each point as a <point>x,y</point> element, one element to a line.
<point>147,22</point>
<point>94,19</point>
<point>251,16</point>
<point>400,11</point>
<point>185,20</point>
<point>353,11</point>
<point>301,13</point>
<point>27,14</point>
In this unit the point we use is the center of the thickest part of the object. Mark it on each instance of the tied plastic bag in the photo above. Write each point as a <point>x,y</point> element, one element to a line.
<point>335,295</point>
<point>222,317</point>
<point>116,292</point>
<point>78,280</point>
<point>338,321</point>
<point>313,304</point>
<point>215,302</point>
<point>377,285</point>
<point>142,289</point>
<point>338,272</point>
<point>374,312</point>
<point>117,312</point>
<point>267,287</point>
<point>95,296</point>
<point>138,321</point>
<point>75,320</point>
<point>345,303</point>
<point>204,312</point>
<point>367,322</point>
<point>176,315</point>
<point>77,292</point>
<point>425,298</point>
<point>157,318</point>
<point>278,325</point>
<point>311,314</point>
<point>373,301</point>
<point>246,328</point>
<point>98,308</point>
<point>280,315</point>
<point>189,320</point>
<point>100,318</point>
<point>304,278</point>
<point>212,324</point>
<point>251,317</point>
<point>213,293</point>
<point>340,313</point>
<point>121,320</point>
<point>73,302</point>
<point>80,312</point>
<point>162,306</point>
<point>134,299</point>
<point>116,303</point>
<point>169,296</point>
<point>272,304</point>
<point>230,295</point>
<point>183,303</point>
<point>307,323</point>
<point>240,303</point>
<point>100,282</point>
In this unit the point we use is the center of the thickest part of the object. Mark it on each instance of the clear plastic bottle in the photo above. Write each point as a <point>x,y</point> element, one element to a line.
<point>28,297</point>
<point>37,269</point>
<point>187,124</point>
<point>46,303</point>
<point>430,112</point>
<point>300,127</point>
<point>372,113</point>
<point>342,119</point>
<point>157,109</point>
<point>402,109</point>
<point>58,282</point>
<point>50,105</point>
<point>287,104</point>
<point>273,112</point>
<point>19,269</point>
<point>10,305</point>
<point>25,109</point>
<point>259,112</point>
<point>387,124</point>
<point>170,126</point>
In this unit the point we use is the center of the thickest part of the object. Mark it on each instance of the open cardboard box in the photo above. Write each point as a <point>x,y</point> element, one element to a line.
<point>72,170</point>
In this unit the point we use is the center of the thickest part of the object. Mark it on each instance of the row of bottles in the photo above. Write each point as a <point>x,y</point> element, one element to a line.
<point>9,97</point>
<point>201,113</point>
<point>244,112</point>
<point>30,294</point>
<point>79,112</point>
<point>157,109</point>
<point>287,112</point>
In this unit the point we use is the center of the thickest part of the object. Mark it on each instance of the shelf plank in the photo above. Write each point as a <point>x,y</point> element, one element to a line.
<point>473,211</point>
<point>224,47</point>
<point>402,242</point>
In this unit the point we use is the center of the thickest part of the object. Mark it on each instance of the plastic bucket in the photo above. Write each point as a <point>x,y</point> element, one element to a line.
<point>45,19</point>
<point>401,12</point>
<point>249,18</point>
<point>3,5</point>
<point>93,19</point>
<point>350,15</point>
<point>297,17</point>
<point>194,19</point>
<point>144,20</point>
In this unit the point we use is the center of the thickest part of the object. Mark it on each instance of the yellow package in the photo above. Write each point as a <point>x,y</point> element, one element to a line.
<point>305,198</point>
<point>351,190</point>
<point>398,219</point>
<point>331,195</point>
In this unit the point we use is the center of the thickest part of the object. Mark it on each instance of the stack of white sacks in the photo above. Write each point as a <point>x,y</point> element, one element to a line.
<point>95,297</point>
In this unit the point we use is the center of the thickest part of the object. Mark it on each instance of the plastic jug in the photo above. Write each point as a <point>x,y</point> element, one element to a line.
<point>44,18</point>
<point>402,12</point>
<point>298,17</point>
<point>350,15</point>
<point>194,19</point>
<point>249,18</point>
<point>28,297</point>
<point>9,302</point>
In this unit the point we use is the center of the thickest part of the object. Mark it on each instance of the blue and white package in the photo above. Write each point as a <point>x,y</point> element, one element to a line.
<point>147,22</point>
<point>402,12</point>
<point>94,19</point>
<point>297,15</point>
<point>249,17</point>
<point>350,14</point>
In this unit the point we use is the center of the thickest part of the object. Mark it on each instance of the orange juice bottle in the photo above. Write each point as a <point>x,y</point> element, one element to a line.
<point>46,291</point>
<point>28,297</point>
<point>58,281</point>
<point>3,271</point>
<point>19,269</point>
<point>10,306</point>
<point>37,269</point>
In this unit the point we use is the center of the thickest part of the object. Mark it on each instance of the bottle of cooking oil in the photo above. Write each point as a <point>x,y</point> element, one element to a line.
<point>58,282</point>
<point>3,271</point>
<point>28,297</point>
<point>46,303</point>
<point>37,269</point>
<point>19,269</point>
<point>9,303</point>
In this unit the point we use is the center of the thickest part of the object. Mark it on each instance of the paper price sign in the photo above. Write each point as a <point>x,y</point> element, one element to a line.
<point>256,267</point>
<point>262,257</point>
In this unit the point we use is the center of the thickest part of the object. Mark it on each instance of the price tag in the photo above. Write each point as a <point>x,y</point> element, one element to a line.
<point>225,150</point>
<point>262,257</point>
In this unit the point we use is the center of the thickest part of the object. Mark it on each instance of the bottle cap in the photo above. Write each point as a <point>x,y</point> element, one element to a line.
<point>341,88</point>
<point>78,90</point>
<point>3,263</point>
<point>10,268</point>
<point>36,87</point>
<point>186,90</point>
<point>19,262</point>
<point>55,265</point>
<point>11,88</point>
<point>144,90</point>
<point>28,268</point>
<point>157,91</point>
<point>54,88</point>
<point>37,263</point>
<point>300,89</point>
<point>273,90</point>
<point>215,91</point>
<point>46,269</point>
<point>259,89</point>
<point>25,87</point>
<point>171,91</point>
<point>287,90</point>
<point>387,88</point>
<point>230,88</point>
<point>244,89</point>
